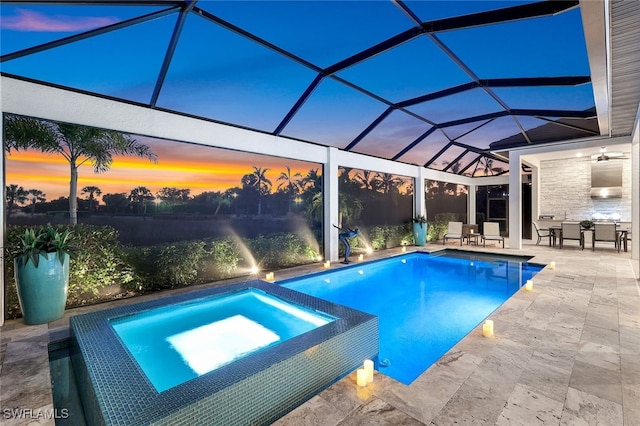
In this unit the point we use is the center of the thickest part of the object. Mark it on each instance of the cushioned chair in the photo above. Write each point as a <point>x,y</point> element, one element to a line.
<point>605,232</point>
<point>454,232</point>
<point>572,231</point>
<point>491,233</point>
<point>541,232</point>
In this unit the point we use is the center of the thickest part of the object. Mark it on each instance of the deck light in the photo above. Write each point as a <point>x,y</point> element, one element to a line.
<point>368,368</point>
<point>552,265</point>
<point>360,258</point>
<point>528,285</point>
<point>327,264</point>
<point>270,276</point>
<point>487,328</point>
<point>361,377</point>
<point>404,248</point>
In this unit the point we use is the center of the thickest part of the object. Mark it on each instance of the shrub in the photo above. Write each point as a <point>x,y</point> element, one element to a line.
<point>166,265</point>
<point>389,236</point>
<point>280,250</point>
<point>378,237</point>
<point>437,229</point>
<point>221,260</point>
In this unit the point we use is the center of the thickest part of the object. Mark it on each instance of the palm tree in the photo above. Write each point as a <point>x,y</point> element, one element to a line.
<point>114,203</point>
<point>292,183</point>
<point>173,195</point>
<point>261,183</point>
<point>92,191</point>
<point>388,183</point>
<point>312,181</point>
<point>77,144</point>
<point>35,196</point>
<point>14,194</point>
<point>366,179</point>
<point>312,186</point>
<point>140,196</point>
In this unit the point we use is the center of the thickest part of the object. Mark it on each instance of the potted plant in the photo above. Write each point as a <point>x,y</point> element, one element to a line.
<point>586,224</point>
<point>42,273</point>
<point>420,230</point>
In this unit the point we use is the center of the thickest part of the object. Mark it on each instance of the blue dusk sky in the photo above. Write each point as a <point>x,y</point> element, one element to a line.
<point>219,73</point>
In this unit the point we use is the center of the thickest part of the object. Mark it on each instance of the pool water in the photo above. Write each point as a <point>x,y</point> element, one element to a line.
<point>176,343</point>
<point>425,303</point>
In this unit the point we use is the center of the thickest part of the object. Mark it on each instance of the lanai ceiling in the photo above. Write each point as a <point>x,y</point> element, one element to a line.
<point>432,83</point>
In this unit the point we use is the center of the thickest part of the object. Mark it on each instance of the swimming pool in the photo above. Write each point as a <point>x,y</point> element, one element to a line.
<point>425,303</point>
<point>176,343</point>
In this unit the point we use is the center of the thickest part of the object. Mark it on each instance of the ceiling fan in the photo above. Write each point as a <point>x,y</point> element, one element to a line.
<point>605,156</point>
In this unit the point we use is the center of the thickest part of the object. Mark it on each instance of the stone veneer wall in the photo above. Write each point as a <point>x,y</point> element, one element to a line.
<point>565,186</point>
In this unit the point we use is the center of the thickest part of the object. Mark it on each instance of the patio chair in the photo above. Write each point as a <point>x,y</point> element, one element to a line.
<point>454,232</point>
<point>491,233</point>
<point>541,232</point>
<point>572,231</point>
<point>605,232</point>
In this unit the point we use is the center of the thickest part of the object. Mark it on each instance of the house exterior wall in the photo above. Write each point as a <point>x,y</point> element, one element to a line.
<point>566,185</point>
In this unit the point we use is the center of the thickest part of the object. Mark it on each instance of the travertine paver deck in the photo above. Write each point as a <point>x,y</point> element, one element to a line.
<point>566,353</point>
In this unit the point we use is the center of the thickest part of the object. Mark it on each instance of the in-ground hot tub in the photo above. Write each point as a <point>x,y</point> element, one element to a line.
<point>179,342</point>
<point>161,362</point>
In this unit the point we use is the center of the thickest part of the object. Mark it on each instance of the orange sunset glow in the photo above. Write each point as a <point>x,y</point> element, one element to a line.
<point>180,165</point>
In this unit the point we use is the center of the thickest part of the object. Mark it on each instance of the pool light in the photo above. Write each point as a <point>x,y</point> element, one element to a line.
<point>487,328</point>
<point>528,285</point>
<point>200,348</point>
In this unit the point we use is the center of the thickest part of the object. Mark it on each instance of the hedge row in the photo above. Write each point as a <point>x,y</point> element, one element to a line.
<point>103,269</point>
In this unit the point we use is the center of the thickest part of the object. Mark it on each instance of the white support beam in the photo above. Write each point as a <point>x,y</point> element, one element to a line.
<point>420,195</point>
<point>515,204</point>
<point>331,206</point>
<point>34,100</point>
<point>535,195</point>
<point>635,192</point>
<point>595,22</point>
<point>471,204</point>
<point>2,220</point>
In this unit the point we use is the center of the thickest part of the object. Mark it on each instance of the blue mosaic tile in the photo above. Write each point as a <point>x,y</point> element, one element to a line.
<point>248,391</point>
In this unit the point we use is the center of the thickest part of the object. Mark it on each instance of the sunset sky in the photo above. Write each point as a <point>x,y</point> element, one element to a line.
<point>179,165</point>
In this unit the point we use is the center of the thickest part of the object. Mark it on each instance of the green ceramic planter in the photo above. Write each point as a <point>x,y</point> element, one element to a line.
<point>42,291</point>
<point>420,234</point>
